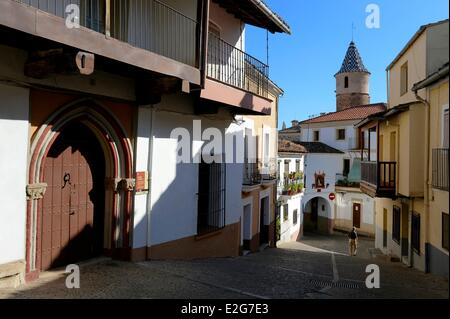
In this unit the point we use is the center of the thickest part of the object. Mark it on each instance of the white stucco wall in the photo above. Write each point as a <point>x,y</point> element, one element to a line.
<point>143,164</point>
<point>14,112</point>
<point>174,187</point>
<point>288,229</point>
<point>292,164</point>
<point>331,164</point>
<point>344,207</point>
<point>232,30</point>
<point>328,135</point>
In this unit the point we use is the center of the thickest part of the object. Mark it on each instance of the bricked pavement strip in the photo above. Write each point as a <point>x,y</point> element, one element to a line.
<point>316,268</point>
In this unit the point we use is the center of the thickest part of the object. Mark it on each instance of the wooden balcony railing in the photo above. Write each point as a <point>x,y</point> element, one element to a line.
<point>147,24</point>
<point>236,68</point>
<point>380,177</point>
<point>440,169</point>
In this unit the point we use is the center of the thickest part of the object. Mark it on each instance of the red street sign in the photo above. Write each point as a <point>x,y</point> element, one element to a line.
<point>332,196</point>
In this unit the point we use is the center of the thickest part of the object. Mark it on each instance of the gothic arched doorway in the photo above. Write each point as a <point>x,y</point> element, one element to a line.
<point>73,209</point>
<point>80,184</point>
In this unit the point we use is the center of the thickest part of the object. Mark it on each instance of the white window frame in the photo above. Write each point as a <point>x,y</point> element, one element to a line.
<point>444,109</point>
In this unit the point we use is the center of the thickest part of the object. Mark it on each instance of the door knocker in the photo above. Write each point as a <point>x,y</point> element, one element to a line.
<point>66,180</point>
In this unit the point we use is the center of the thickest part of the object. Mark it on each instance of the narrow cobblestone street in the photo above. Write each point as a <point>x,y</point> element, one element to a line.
<point>316,268</point>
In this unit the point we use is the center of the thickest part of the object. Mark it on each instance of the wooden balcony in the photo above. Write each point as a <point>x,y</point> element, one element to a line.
<point>148,34</point>
<point>378,179</point>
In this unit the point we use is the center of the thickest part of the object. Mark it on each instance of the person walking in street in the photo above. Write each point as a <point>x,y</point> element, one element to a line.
<point>353,242</point>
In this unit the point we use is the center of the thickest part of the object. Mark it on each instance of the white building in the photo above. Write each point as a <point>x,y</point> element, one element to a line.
<point>318,202</point>
<point>291,169</point>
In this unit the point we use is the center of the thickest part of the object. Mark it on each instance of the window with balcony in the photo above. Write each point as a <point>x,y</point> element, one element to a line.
<point>211,197</point>
<point>286,167</point>
<point>346,167</point>
<point>415,233</point>
<point>340,134</point>
<point>445,226</point>
<point>404,79</point>
<point>396,215</point>
<point>298,166</point>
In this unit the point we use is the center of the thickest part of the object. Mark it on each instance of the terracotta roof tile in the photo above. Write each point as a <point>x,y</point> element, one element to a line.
<point>319,148</point>
<point>285,146</point>
<point>354,113</point>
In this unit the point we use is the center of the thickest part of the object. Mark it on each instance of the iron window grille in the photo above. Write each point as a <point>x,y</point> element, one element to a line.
<point>211,197</point>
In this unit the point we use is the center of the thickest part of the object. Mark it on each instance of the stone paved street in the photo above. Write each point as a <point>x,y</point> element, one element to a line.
<point>316,268</point>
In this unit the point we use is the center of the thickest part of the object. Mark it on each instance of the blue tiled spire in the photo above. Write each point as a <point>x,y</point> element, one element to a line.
<point>353,61</point>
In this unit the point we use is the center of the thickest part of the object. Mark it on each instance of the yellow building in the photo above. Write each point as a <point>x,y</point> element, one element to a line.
<point>411,207</point>
<point>259,190</point>
<point>436,192</point>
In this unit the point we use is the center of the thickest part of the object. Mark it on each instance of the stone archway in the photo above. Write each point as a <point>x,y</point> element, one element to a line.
<point>117,156</point>
<point>317,215</point>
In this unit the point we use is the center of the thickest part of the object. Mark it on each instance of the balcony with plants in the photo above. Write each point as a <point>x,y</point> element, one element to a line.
<point>291,184</point>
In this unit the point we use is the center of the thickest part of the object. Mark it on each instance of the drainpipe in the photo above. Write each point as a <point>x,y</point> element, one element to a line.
<point>427,175</point>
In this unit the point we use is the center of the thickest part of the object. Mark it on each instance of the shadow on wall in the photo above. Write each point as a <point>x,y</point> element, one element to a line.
<point>175,222</point>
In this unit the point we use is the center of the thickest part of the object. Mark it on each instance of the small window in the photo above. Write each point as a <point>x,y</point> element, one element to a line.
<point>285,212</point>
<point>346,82</point>
<point>445,224</point>
<point>295,217</point>
<point>396,224</point>
<point>404,79</point>
<point>415,240</point>
<point>340,134</point>
<point>316,136</point>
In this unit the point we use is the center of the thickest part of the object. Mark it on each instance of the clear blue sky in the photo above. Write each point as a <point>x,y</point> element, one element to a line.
<point>304,63</point>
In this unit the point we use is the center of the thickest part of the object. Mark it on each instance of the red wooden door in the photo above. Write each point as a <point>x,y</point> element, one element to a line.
<point>72,210</point>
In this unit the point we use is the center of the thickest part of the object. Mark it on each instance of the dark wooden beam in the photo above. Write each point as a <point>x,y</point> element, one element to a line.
<point>149,91</point>
<point>46,63</point>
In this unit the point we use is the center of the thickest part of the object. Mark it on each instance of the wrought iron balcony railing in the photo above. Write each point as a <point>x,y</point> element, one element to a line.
<point>440,169</point>
<point>236,68</point>
<point>147,24</point>
<point>260,172</point>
